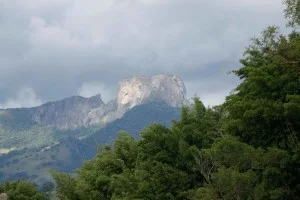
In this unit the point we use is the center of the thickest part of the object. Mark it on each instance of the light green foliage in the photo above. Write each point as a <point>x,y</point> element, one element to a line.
<point>65,186</point>
<point>292,12</point>
<point>35,136</point>
<point>18,131</point>
<point>21,190</point>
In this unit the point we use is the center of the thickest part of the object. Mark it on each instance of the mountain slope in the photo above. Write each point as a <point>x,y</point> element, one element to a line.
<point>45,124</point>
<point>70,153</point>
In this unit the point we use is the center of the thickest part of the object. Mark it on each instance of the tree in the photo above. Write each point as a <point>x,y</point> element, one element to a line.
<point>270,73</point>
<point>21,190</point>
<point>235,170</point>
<point>292,12</point>
<point>66,186</point>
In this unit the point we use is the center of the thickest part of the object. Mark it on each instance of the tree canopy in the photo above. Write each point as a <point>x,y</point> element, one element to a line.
<point>21,190</point>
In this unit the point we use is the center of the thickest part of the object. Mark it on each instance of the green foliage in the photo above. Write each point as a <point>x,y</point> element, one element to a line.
<point>235,170</point>
<point>191,160</point>
<point>161,165</point>
<point>37,136</point>
<point>21,190</point>
<point>65,186</point>
<point>270,75</point>
<point>292,12</point>
<point>264,112</point>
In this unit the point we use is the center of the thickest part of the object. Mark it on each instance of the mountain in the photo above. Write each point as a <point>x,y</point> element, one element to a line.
<point>69,113</point>
<point>78,116</point>
<point>70,153</point>
<point>62,134</point>
<point>43,125</point>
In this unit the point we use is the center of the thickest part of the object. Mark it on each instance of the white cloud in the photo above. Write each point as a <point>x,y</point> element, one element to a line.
<point>213,99</point>
<point>25,97</point>
<point>211,91</point>
<point>89,89</point>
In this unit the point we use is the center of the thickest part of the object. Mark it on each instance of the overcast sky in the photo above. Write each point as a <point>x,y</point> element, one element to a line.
<point>52,49</point>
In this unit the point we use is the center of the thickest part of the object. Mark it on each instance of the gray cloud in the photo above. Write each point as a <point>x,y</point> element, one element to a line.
<point>89,89</point>
<point>25,97</point>
<point>60,47</point>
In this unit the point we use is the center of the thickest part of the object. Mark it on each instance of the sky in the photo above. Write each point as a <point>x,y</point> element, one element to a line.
<point>53,49</point>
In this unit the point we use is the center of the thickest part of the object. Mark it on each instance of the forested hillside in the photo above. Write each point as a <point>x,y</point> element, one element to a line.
<point>70,153</point>
<point>247,148</point>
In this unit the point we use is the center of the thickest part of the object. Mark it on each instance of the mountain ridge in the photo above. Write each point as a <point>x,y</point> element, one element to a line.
<point>73,116</point>
<point>70,153</point>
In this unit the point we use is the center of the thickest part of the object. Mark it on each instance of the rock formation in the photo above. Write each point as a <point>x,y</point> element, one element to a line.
<point>77,111</point>
<point>135,91</point>
<point>3,196</point>
<point>138,90</point>
<point>68,113</point>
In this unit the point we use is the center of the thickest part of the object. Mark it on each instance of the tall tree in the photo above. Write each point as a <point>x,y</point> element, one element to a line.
<point>270,74</point>
<point>292,12</point>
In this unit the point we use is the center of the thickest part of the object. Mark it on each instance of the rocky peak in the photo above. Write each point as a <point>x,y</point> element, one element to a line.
<point>169,89</point>
<point>134,91</point>
<point>67,113</point>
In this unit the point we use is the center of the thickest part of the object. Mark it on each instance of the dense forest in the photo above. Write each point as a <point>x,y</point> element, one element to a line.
<point>247,148</point>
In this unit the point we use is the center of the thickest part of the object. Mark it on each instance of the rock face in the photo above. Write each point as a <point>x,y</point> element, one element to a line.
<point>134,91</point>
<point>68,113</point>
<point>77,111</point>
<point>3,196</point>
<point>138,90</point>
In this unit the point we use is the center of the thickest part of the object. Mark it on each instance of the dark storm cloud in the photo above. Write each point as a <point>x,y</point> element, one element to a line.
<point>51,49</point>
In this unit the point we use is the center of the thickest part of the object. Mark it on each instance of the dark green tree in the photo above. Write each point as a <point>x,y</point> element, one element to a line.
<point>269,76</point>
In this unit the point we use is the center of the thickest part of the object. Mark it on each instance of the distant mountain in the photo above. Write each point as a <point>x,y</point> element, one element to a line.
<point>46,124</point>
<point>79,117</point>
<point>63,134</point>
<point>70,153</point>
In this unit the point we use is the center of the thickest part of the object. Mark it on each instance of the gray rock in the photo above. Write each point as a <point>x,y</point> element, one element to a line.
<point>3,196</point>
<point>165,88</point>
<point>68,113</point>
<point>135,91</point>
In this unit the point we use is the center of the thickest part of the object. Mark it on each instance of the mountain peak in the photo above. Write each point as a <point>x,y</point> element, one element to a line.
<point>136,90</point>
